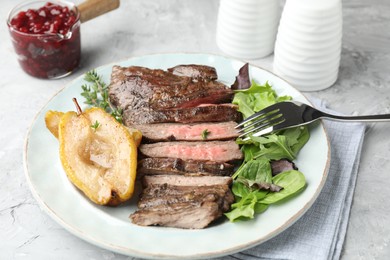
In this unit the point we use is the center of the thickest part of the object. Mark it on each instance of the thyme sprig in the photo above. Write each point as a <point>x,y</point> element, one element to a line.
<point>95,126</point>
<point>205,134</point>
<point>96,94</point>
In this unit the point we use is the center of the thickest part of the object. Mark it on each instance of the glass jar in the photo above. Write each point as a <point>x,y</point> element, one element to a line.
<point>46,37</point>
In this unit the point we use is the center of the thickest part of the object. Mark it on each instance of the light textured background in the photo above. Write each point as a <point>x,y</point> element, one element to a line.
<point>155,26</point>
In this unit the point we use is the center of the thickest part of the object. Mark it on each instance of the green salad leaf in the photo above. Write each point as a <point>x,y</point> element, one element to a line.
<point>256,171</point>
<point>292,182</point>
<point>258,153</point>
<point>283,144</point>
<point>247,207</point>
<point>256,98</point>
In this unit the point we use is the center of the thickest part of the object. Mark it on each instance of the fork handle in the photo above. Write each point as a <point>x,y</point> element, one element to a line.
<point>368,118</point>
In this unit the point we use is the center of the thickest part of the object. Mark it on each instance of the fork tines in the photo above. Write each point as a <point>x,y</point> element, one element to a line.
<point>261,123</point>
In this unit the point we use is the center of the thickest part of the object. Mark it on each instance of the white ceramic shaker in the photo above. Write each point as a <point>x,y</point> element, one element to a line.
<point>308,43</point>
<point>247,28</point>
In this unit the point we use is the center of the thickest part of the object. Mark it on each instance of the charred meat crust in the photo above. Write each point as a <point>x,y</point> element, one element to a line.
<point>205,113</point>
<point>195,71</point>
<point>162,89</point>
<point>182,206</point>
<point>158,96</point>
<point>155,195</point>
<point>185,216</point>
<point>175,92</point>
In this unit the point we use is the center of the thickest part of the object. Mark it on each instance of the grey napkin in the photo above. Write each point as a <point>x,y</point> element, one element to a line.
<point>320,232</point>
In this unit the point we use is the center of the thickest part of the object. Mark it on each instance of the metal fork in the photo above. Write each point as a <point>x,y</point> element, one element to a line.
<point>290,114</point>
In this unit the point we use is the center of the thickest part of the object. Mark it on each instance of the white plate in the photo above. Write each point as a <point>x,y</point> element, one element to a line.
<point>110,228</point>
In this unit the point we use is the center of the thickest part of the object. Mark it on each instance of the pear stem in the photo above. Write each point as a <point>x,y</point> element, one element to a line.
<point>78,108</point>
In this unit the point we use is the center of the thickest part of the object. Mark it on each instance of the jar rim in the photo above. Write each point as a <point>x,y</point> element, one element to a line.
<point>25,4</point>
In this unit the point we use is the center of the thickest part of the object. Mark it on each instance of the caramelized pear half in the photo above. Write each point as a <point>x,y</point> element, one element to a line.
<point>99,155</point>
<point>52,120</point>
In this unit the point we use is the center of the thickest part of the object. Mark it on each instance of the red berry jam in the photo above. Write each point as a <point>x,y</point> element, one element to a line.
<point>46,38</point>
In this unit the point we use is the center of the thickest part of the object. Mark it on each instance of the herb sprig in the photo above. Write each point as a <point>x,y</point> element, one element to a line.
<point>95,126</point>
<point>205,134</point>
<point>96,94</point>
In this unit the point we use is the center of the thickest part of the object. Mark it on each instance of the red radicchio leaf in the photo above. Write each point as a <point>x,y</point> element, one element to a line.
<point>282,165</point>
<point>242,79</point>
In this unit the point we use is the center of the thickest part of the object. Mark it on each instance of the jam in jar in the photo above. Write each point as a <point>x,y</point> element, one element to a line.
<point>46,37</point>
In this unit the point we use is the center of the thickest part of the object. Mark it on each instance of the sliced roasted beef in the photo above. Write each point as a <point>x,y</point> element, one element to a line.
<point>219,151</point>
<point>153,190</point>
<point>194,203</point>
<point>178,180</point>
<point>158,96</point>
<point>195,71</point>
<point>188,187</point>
<point>179,216</point>
<point>204,113</point>
<point>134,87</point>
<point>187,132</point>
<point>156,195</point>
<point>158,166</point>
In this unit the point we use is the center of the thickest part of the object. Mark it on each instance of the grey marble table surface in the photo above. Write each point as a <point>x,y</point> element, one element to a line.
<point>155,26</point>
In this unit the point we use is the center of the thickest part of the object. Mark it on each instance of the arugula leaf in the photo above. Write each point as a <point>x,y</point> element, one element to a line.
<point>257,201</point>
<point>285,144</point>
<point>243,209</point>
<point>297,138</point>
<point>274,146</point>
<point>255,172</point>
<point>256,98</point>
<point>247,206</point>
<point>244,103</point>
<point>240,190</point>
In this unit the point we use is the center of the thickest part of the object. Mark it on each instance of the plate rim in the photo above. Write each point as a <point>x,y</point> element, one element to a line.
<point>131,252</point>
